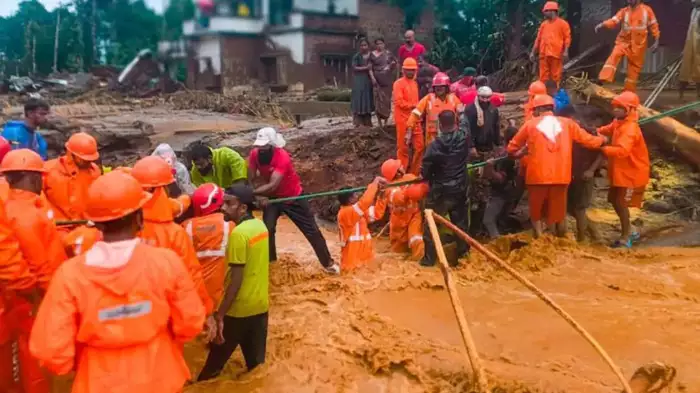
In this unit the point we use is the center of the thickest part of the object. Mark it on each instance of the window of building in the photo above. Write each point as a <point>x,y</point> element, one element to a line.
<point>336,69</point>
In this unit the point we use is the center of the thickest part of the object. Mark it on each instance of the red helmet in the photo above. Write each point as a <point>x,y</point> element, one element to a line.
<point>207,199</point>
<point>5,147</point>
<point>441,79</point>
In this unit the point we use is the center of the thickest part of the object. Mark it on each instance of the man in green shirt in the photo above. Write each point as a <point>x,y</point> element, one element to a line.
<point>223,166</point>
<point>242,315</point>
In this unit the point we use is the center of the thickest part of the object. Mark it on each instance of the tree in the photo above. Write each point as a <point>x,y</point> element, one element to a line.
<point>175,15</point>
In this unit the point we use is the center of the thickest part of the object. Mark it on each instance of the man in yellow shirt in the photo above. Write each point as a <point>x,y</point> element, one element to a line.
<point>242,315</point>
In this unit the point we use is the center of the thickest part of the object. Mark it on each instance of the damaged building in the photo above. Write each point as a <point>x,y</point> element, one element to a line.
<point>301,43</point>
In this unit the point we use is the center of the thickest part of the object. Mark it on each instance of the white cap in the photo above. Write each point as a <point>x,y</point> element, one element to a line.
<point>268,136</point>
<point>485,91</point>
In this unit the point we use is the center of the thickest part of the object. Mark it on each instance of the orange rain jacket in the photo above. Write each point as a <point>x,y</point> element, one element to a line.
<point>553,38</point>
<point>31,220</point>
<point>18,295</point>
<point>180,204</point>
<point>628,157</point>
<point>631,42</point>
<point>430,107</point>
<point>355,237</point>
<point>549,141</point>
<point>210,235</point>
<point>65,186</point>
<point>406,221</point>
<point>405,100</point>
<point>120,328</point>
<point>160,230</point>
<point>4,189</point>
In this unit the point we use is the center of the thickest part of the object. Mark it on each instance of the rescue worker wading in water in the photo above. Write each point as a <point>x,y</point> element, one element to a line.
<point>445,169</point>
<point>637,20</point>
<point>431,106</point>
<point>354,216</point>
<point>20,294</point>
<point>210,231</point>
<point>406,220</point>
<point>119,314</point>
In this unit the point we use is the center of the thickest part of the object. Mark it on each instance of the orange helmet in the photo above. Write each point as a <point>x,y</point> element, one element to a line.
<point>153,171</point>
<point>441,79</point>
<point>83,145</point>
<point>207,199</point>
<point>389,169</point>
<point>417,192</point>
<point>550,6</point>
<point>113,196</point>
<point>410,64</point>
<point>537,87</point>
<point>5,147</point>
<point>22,160</point>
<point>542,100</point>
<point>627,100</point>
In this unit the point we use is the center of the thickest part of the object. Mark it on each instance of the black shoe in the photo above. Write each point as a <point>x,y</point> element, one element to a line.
<point>425,262</point>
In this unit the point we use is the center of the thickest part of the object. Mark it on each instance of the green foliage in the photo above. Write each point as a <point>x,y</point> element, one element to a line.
<point>123,28</point>
<point>177,12</point>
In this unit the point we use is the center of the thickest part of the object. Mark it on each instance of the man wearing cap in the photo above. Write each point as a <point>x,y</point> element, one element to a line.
<point>242,316</point>
<point>552,43</point>
<point>465,82</point>
<point>69,177</point>
<point>405,99</point>
<point>271,166</point>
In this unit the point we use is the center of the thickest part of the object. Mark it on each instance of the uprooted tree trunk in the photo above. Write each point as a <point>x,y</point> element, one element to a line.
<point>671,133</point>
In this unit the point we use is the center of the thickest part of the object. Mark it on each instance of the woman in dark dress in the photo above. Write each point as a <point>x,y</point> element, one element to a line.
<point>362,102</point>
<point>383,64</point>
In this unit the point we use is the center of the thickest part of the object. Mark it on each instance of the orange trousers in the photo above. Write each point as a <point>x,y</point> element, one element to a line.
<point>402,149</point>
<point>551,68</point>
<point>635,62</point>
<point>406,232</point>
<point>19,371</point>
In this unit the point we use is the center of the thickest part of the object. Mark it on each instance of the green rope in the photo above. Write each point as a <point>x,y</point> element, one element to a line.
<point>672,112</point>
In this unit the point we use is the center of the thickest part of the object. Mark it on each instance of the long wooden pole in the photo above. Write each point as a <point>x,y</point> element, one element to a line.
<point>527,283</point>
<point>472,354</point>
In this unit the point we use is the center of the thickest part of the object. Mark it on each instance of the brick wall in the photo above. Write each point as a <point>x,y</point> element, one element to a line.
<point>379,19</point>
<point>313,73</point>
<point>330,23</point>
<point>240,60</point>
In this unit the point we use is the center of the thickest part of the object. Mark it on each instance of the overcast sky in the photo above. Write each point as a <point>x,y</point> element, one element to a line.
<point>7,7</point>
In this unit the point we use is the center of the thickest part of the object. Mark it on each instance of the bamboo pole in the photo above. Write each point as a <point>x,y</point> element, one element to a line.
<point>529,285</point>
<point>472,354</point>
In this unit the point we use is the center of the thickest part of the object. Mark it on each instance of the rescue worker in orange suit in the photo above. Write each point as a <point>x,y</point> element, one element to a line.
<point>69,177</point>
<point>19,295</point>
<point>636,20</point>
<point>628,163</point>
<point>119,314</point>
<point>209,232</point>
<point>30,216</point>
<point>549,140</point>
<point>5,147</point>
<point>552,43</point>
<point>406,220</point>
<point>432,105</point>
<point>405,99</point>
<point>159,228</point>
<point>353,218</point>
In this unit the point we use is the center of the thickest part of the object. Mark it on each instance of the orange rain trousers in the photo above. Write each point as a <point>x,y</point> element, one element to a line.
<point>631,43</point>
<point>405,99</point>
<point>355,237</point>
<point>431,106</point>
<point>210,235</point>
<point>160,230</point>
<point>551,68</point>
<point>405,222</point>
<point>121,329</point>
